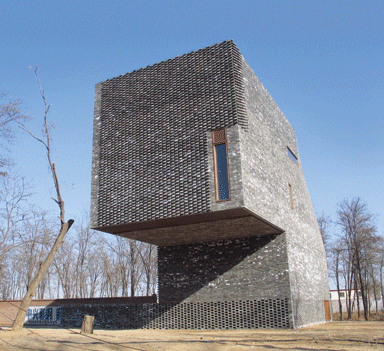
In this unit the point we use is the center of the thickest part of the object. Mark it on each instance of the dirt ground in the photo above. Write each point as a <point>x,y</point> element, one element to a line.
<point>333,336</point>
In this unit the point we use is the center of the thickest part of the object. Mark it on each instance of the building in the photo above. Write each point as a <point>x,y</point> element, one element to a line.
<point>193,155</point>
<point>335,306</point>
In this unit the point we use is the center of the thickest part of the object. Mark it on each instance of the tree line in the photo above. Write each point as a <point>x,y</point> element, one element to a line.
<point>355,257</point>
<point>86,263</point>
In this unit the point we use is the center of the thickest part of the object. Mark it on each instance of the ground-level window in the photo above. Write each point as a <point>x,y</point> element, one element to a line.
<point>220,159</point>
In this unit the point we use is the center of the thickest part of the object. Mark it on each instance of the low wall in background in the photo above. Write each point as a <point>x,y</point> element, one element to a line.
<point>50,312</point>
<point>335,305</point>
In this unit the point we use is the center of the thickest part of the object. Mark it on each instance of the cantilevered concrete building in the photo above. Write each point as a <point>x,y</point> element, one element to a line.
<point>193,155</point>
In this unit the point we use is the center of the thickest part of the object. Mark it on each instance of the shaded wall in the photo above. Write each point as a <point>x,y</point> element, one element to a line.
<point>244,272</point>
<point>227,270</point>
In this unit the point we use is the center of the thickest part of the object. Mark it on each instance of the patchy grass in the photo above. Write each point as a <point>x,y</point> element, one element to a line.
<point>333,336</point>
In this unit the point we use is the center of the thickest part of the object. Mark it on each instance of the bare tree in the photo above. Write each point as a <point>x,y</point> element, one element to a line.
<point>120,249</point>
<point>148,255</point>
<point>64,226</point>
<point>358,234</point>
<point>13,193</point>
<point>36,238</point>
<point>95,271</point>
<point>335,270</point>
<point>134,260</point>
<point>110,274</point>
<point>323,222</point>
<point>372,270</point>
<point>84,243</point>
<point>10,114</point>
<point>381,267</point>
<point>66,269</point>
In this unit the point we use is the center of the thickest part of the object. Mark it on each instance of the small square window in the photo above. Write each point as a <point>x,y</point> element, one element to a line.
<point>292,156</point>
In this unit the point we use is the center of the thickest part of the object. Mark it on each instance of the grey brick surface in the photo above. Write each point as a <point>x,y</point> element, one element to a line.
<point>249,314</point>
<point>153,160</point>
<point>151,135</point>
<point>267,172</point>
<point>249,268</point>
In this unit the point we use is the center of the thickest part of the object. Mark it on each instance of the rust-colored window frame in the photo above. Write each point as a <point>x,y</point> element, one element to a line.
<point>219,137</point>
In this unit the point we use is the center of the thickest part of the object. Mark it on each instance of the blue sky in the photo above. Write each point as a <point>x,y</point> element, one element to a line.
<point>322,62</point>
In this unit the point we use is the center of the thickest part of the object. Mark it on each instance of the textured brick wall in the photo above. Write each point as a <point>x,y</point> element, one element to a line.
<point>150,148</point>
<point>153,159</point>
<point>267,170</point>
<point>8,309</point>
<point>226,284</point>
<point>144,312</point>
<point>241,269</point>
<point>264,313</point>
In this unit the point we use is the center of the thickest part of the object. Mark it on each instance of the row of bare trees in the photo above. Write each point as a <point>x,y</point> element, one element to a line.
<point>35,261</point>
<point>87,264</point>
<point>355,257</point>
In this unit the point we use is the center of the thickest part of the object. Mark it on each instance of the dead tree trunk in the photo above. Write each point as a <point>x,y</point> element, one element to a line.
<point>362,289</point>
<point>64,227</point>
<point>20,317</point>
<point>357,298</point>
<point>337,253</point>
<point>87,326</point>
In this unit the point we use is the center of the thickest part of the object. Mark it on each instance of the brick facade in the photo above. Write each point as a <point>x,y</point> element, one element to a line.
<point>267,173</point>
<point>150,160</point>
<point>236,269</point>
<point>153,180</point>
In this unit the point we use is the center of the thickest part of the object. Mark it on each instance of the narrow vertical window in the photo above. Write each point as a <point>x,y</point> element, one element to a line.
<point>220,157</point>
<point>291,195</point>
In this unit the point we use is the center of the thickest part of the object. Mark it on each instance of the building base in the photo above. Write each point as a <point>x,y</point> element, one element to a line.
<point>265,314</point>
